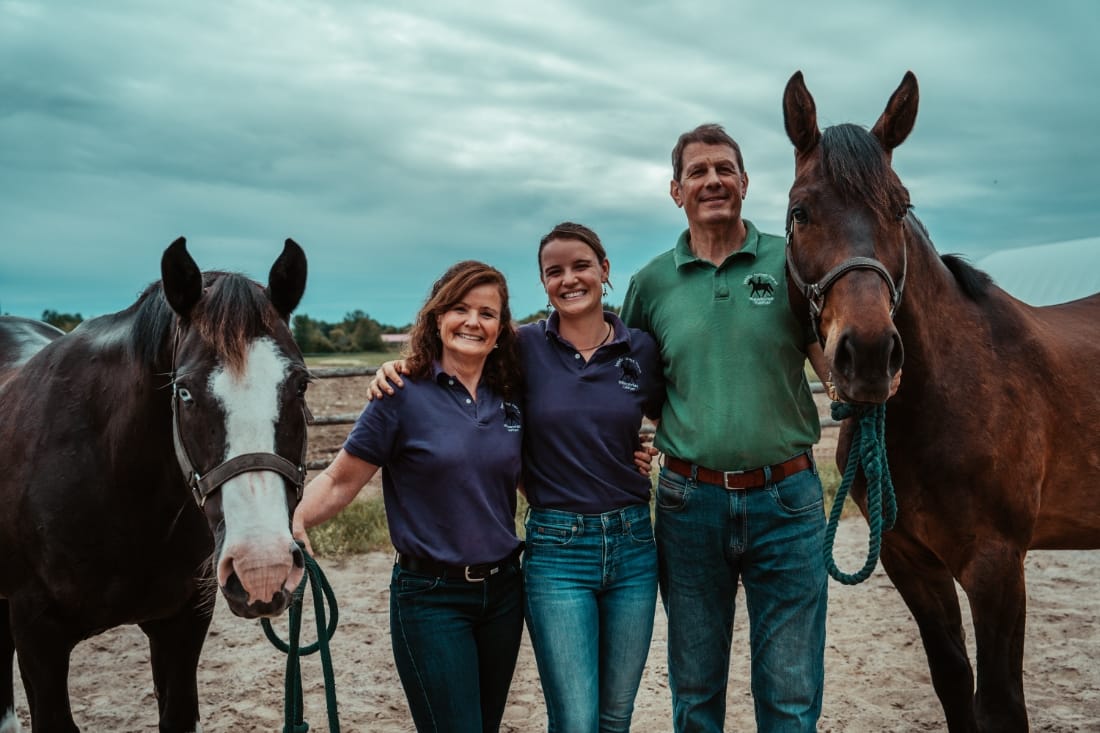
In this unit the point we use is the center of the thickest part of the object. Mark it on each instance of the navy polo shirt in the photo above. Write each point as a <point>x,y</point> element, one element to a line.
<point>450,467</point>
<point>581,419</point>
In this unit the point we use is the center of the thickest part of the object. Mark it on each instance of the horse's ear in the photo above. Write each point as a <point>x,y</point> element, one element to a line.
<point>900,115</point>
<point>800,115</point>
<point>181,279</point>
<point>287,280</point>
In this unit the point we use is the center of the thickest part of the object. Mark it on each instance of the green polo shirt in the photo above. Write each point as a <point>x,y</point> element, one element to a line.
<point>733,355</point>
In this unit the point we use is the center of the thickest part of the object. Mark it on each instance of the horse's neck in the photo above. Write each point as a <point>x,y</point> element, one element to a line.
<point>940,326</point>
<point>102,359</point>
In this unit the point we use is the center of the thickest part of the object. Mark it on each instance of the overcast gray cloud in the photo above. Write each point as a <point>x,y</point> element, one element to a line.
<point>393,139</point>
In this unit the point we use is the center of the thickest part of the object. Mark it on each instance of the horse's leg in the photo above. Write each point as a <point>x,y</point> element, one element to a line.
<point>8,719</point>
<point>928,589</point>
<point>44,644</point>
<point>174,647</point>
<point>994,582</point>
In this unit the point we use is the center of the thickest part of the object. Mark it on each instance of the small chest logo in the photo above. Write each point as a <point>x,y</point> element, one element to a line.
<point>761,287</point>
<point>630,373</point>
<point>512,419</point>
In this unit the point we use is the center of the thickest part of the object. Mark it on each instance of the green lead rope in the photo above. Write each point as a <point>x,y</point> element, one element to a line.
<point>292,701</point>
<point>868,451</point>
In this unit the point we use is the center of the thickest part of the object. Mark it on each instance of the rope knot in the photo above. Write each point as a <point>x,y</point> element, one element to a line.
<point>845,410</point>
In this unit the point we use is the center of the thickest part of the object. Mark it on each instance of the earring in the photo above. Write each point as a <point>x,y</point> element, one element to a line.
<point>549,305</point>
<point>605,290</point>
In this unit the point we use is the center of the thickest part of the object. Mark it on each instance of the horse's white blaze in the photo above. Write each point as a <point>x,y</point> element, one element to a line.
<point>10,723</point>
<point>257,533</point>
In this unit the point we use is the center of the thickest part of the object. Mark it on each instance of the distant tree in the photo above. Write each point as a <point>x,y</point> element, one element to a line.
<point>361,333</point>
<point>310,336</point>
<point>65,321</point>
<point>357,332</point>
<point>536,316</point>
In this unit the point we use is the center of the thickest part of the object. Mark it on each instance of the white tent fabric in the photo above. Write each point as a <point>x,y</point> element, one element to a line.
<point>1047,273</point>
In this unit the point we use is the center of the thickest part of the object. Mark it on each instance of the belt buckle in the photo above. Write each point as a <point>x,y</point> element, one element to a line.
<point>492,571</point>
<point>726,478</point>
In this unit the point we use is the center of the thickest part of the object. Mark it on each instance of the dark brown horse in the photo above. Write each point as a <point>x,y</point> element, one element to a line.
<point>148,458</point>
<point>992,435</point>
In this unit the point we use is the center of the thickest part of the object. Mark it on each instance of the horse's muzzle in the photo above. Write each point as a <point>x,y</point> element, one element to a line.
<point>238,601</point>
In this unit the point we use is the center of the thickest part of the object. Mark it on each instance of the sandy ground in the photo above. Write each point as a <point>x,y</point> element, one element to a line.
<point>876,675</point>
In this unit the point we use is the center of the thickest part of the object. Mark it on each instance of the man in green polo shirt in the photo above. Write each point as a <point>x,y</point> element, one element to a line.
<point>739,495</point>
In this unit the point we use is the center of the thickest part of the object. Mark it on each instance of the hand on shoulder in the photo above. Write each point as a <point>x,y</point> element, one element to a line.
<point>386,378</point>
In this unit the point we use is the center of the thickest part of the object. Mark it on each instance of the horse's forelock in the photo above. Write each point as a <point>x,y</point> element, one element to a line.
<point>233,311</point>
<point>853,160</point>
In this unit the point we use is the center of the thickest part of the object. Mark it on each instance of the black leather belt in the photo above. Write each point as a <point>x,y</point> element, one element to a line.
<point>469,573</point>
<point>753,478</point>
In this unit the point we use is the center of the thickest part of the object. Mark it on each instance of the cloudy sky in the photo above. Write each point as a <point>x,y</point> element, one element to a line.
<point>392,139</point>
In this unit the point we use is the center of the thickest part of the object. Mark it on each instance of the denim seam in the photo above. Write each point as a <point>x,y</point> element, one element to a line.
<point>416,667</point>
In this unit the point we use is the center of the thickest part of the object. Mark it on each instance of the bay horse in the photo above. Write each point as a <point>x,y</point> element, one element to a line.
<point>991,437</point>
<point>149,457</point>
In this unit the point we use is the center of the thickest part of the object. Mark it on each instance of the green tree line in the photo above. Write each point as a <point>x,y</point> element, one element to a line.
<point>357,332</point>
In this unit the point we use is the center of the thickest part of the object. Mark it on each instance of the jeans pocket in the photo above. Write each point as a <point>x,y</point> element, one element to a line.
<point>547,535</point>
<point>672,492</point>
<point>641,532</point>
<point>407,584</point>
<point>799,493</point>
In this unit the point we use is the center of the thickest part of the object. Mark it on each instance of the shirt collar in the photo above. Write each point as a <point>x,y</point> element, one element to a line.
<point>620,332</point>
<point>683,256</point>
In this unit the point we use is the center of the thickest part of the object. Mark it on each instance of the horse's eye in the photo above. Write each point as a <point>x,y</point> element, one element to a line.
<point>798,215</point>
<point>185,395</point>
<point>302,387</point>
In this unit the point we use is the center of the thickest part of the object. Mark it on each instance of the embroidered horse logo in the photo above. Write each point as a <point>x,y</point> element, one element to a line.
<point>761,288</point>
<point>630,373</point>
<point>512,418</point>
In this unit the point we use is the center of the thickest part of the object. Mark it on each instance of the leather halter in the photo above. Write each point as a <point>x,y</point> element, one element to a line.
<point>203,485</point>
<point>815,292</point>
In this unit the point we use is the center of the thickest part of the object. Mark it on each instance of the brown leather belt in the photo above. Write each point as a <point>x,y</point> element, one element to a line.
<point>754,478</point>
<point>469,573</point>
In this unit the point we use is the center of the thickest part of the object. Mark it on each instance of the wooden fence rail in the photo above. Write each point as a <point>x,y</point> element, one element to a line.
<point>349,418</point>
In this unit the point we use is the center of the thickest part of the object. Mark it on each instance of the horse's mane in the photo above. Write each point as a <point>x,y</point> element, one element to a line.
<point>232,311</point>
<point>975,283</point>
<point>853,160</point>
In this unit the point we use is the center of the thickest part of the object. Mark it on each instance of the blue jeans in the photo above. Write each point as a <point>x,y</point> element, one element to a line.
<point>772,539</point>
<point>591,583</point>
<point>455,644</point>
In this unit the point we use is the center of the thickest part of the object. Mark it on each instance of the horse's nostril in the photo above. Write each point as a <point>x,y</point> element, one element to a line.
<point>844,357</point>
<point>233,586</point>
<point>897,355</point>
<point>297,556</point>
